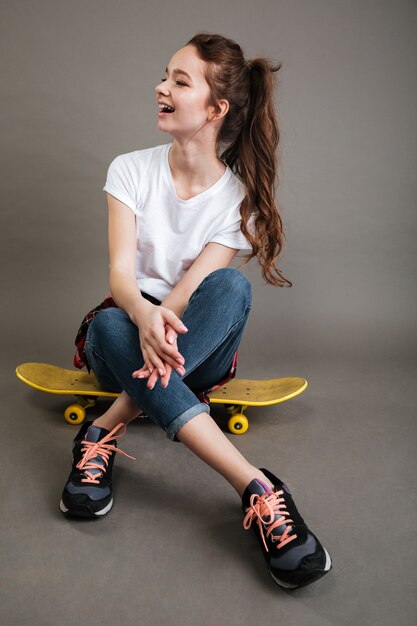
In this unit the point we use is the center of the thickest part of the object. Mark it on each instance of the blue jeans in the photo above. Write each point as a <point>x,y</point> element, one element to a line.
<point>215,316</point>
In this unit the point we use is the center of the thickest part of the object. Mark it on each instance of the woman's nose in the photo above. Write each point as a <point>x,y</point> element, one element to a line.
<point>160,87</point>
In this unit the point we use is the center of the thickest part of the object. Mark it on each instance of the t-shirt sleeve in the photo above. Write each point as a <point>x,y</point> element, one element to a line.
<point>120,183</point>
<point>231,235</point>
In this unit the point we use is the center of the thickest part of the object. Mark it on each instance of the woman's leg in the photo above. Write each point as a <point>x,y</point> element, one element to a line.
<point>122,411</point>
<point>203,436</point>
<point>215,317</point>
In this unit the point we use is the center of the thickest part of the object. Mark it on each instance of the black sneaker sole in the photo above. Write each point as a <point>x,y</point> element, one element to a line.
<point>84,510</point>
<point>311,577</point>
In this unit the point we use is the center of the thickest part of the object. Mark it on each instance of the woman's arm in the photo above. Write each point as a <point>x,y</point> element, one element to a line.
<point>151,320</point>
<point>122,252</point>
<point>213,257</point>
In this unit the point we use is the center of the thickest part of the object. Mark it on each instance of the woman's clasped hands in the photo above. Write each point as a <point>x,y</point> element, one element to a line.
<point>158,331</point>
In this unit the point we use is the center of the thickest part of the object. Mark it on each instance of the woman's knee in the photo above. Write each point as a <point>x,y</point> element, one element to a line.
<point>109,325</point>
<point>230,281</point>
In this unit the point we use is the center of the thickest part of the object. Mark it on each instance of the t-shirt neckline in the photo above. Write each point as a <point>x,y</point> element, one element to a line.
<point>200,196</point>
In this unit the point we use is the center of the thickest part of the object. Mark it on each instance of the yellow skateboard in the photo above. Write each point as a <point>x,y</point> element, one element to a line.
<point>237,394</point>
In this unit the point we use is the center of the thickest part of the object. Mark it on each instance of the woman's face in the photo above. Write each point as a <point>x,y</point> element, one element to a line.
<point>186,90</point>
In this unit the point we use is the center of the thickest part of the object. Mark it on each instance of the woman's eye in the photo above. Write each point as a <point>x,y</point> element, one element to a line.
<point>179,82</point>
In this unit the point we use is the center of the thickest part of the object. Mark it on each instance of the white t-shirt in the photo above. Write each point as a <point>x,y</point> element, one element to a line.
<point>171,232</point>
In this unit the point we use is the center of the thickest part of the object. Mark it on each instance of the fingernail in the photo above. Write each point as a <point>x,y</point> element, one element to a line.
<point>179,371</point>
<point>140,375</point>
<point>161,372</point>
<point>171,339</point>
<point>183,327</point>
<point>180,360</point>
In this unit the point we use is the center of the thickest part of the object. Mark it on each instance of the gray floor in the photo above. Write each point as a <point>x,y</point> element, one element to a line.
<point>173,549</point>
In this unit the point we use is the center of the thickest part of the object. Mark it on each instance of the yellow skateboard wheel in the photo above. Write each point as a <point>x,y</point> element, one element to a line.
<point>238,424</point>
<point>74,414</point>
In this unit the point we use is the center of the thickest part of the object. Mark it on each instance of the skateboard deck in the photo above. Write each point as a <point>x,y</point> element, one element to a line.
<point>240,393</point>
<point>237,395</point>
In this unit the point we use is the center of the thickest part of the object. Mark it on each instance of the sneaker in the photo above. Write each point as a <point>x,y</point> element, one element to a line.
<point>88,491</point>
<point>294,554</point>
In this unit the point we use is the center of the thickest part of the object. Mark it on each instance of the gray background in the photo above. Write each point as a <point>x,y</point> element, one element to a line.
<point>77,89</point>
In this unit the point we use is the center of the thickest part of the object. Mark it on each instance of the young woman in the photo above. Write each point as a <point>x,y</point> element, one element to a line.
<point>178,215</point>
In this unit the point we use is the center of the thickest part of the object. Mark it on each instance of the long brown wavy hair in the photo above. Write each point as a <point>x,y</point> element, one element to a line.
<point>248,140</point>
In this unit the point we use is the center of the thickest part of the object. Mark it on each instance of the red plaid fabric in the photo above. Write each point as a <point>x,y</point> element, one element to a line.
<point>80,357</point>
<point>203,395</point>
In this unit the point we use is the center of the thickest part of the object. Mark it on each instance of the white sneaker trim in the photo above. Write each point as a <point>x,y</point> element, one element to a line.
<point>106,509</point>
<point>328,563</point>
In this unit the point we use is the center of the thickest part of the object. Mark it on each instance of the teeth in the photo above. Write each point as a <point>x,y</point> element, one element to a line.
<point>165,106</point>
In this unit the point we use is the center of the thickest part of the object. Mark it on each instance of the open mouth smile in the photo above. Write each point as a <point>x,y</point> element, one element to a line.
<point>164,109</point>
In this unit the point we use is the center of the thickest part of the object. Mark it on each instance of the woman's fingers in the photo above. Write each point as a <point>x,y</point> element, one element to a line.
<point>161,339</point>
<point>156,364</point>
<point>171,337</point>
<point>152,379</point>
<point>144,372</point>
<point>166,377</point>
<point>158,349</point>
<point>161,350</point>
<point>153,371</point>
<point>155,361</point>
<point>171,356</point>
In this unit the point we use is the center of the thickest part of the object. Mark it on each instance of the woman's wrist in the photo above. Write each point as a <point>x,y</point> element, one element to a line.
<point>140,307</point>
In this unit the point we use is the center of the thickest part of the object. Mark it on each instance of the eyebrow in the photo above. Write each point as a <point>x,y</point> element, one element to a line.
<point>178,71</point>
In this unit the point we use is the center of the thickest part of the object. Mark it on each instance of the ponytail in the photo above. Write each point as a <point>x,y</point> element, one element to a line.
<point>247,141</point>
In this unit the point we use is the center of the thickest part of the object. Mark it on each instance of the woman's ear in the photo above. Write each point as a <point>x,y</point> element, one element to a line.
<point>219,111</point>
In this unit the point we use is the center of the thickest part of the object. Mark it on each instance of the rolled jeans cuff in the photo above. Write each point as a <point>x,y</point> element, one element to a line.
<point>185,417</point>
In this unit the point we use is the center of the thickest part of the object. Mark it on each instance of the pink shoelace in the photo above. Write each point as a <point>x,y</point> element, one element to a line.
<point>269,503</point>
<point>91,449</point>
